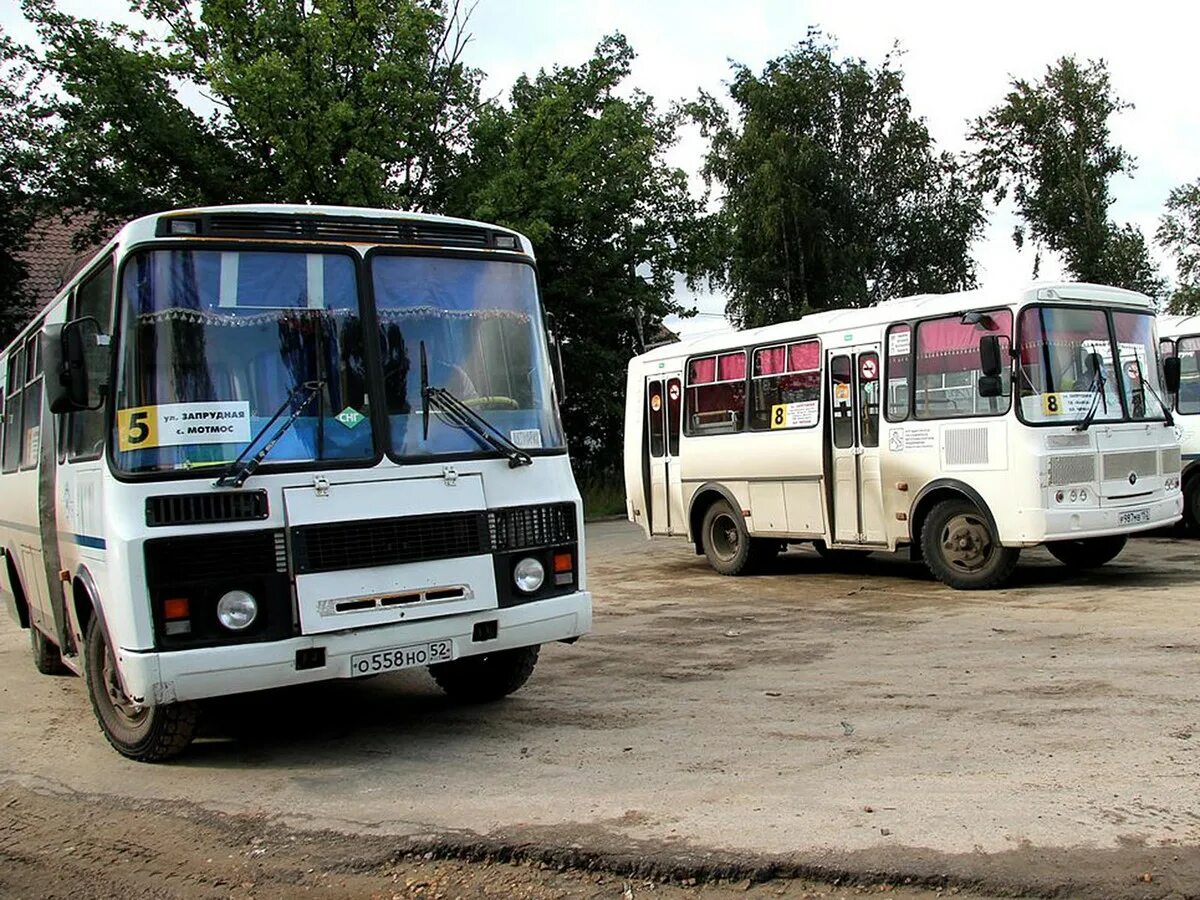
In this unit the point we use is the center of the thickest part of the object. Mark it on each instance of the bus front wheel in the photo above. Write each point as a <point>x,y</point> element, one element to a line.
<point>1087,553</point>
<point>143,733</point>
<point>486,677</point>
<point>961,549</point>
<point>1191,503</point>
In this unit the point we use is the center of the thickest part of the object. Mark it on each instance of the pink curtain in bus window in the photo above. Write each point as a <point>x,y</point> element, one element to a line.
<point>947,345</point>
<point>703,371</point>
<point>804,357</point>
<point>769,361</point>
<point>731,366</point>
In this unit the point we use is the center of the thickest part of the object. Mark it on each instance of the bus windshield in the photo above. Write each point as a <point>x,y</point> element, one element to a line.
<point>1056,379</point>
<point>481,327</point>
<point>213,344</point>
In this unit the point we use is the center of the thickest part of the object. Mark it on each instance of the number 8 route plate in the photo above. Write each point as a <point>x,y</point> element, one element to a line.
<point>401,658</point>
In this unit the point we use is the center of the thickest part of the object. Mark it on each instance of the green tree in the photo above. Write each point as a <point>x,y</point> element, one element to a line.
<point>1049,146</point>
<point>325,101</point>
<point>18,163</point>
<point>1179,233</point>
<point>834,194</point>
<point>577,164</point>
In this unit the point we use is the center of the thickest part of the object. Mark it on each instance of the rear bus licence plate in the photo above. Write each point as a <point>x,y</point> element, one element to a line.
<point>1133,517</point>
<point>401,658</point>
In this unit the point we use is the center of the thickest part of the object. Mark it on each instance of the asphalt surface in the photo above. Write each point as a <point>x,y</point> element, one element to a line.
<point>857,720</point>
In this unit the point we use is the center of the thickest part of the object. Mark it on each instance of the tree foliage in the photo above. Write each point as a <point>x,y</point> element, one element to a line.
<point>834,194</point>
<point>18,163</point>
<point>576,163</point>
<point>1179,233</point>
<point>1048,145</point>
<point>327,101</point>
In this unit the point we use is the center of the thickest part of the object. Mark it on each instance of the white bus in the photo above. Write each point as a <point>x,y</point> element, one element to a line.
<point>1180,340</point>
<point>896,425</point>
<point>257,446</point>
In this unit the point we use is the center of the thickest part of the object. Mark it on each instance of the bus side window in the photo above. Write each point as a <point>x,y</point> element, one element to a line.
<point>86,428</point>
<point>716,393</point>
<point>1189,381</point>
<point>868,399</point>
<point>843,411</point>
<point>31,401</point>
<point>898,374</point>
<point>654,416</point>
<point>948,367</point>
<point>785,387</point>
<point>12,410</point>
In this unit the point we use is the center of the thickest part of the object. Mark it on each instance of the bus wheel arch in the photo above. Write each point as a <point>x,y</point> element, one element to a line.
<point>1191,497</point>
<point>706,495</point>
<point>933,494</point>
<point>85,602</point>
<point>964,550</point>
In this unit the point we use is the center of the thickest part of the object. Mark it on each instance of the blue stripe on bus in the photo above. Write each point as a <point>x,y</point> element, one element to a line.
<point>1191,456</point>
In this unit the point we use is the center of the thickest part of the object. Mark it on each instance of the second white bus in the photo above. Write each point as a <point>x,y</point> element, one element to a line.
<point>964,426</point>
<point>1180,340</point>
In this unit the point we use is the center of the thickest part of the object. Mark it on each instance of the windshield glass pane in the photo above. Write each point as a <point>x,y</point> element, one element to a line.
<point>213,341</point>
<point>1140,377</point>
<point>481,325</point>
<point>1055,381</point>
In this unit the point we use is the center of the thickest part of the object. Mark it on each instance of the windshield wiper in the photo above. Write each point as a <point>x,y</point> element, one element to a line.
<point>1097,391</point>
<point>464,417</point>
<point>1168,419</point>
<point>237,472</point>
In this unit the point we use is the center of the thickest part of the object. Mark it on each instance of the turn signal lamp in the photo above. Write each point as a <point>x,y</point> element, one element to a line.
<point>177,616</point>
<point>564,568</point>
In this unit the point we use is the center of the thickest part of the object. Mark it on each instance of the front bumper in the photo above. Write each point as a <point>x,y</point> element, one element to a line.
<point>1041,525</point>
<point>155,678</point>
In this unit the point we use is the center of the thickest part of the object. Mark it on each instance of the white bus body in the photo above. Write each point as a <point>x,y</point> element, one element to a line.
<point>1180,338</point>
<point>383,530</point>
<point>871,429</point>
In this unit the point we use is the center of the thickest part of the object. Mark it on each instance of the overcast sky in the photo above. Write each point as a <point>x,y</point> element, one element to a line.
<point>958,59</point>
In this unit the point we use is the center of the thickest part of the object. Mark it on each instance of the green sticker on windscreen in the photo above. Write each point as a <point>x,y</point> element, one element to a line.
<point>350,417</point>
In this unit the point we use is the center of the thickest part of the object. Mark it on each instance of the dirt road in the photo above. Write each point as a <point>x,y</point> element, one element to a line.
<point>859,720</point>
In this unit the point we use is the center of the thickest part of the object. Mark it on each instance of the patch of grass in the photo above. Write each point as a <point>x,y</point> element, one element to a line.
<point>602,497</point>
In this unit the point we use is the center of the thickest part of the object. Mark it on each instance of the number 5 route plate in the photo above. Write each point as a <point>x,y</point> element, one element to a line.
<point>395,658</point>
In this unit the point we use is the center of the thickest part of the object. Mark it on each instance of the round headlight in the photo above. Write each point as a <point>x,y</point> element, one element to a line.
<point>528,575</point>
<point>237,610</point>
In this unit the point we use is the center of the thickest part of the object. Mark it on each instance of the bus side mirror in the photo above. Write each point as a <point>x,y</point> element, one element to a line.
<point>991,386</point>
<point>989,358</point>
<point>65,362</point>
<point>1171,374</point>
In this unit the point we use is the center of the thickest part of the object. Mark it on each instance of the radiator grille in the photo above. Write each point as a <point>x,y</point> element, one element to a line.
<point>966,446</point>
<point>1072,469</point>
<point>212,556</point>
<point>350,229</point>
<point>381,542</point>
<point>526,527</point>
<point>1172,460</point>
<point>196,509</point>
<point>1118,465</point>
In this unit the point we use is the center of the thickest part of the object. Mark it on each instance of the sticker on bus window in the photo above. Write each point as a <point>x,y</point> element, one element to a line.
<point>841,393</point>
<point>526,438</point>
<point>1072,404</point>
<point>794,415</point>
<point>899,343</point>
<point>656,402</point>
<point>183,424</point>
<point>868,368</point>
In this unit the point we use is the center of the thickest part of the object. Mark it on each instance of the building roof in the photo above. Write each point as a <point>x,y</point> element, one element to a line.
<point>50,259</point>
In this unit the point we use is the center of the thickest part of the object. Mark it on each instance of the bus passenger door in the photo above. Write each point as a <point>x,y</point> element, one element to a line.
<point>854,396</point>
<point>663,402</point>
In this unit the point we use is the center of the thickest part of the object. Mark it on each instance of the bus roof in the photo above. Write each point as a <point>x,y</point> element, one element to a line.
<point>1174,326</point>
<point>903,308</point>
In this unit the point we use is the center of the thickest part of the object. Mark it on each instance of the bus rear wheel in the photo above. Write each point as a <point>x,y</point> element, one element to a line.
<point>1191,503</point>
<point>142,733</point>
<point>1087,553</point>
<point>46,658</point>
<point>727,543</point>
<point>962,551</point>
<point>487,677</point>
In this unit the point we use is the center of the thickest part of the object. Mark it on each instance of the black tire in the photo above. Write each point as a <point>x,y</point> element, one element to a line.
<point>487,677</point>
<point>1087,553</point>
<point>1191,504</point>
<point>148,734</point>
<point>726,542</point>
<point>961,549</point>
<point>46,658</point>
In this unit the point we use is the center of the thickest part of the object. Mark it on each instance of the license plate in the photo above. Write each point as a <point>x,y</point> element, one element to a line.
<point>1133,517</point>
<point>396,658</point>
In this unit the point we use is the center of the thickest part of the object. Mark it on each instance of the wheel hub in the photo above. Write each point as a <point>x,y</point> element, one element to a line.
<point>966,543</point>
<point>726,537</point>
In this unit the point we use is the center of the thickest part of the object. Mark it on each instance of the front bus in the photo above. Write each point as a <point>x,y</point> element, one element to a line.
<point>331,448</point>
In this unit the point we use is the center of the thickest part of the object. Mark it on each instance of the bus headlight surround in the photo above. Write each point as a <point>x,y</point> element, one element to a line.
<point>528,575</point>
<point>237,610</point>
